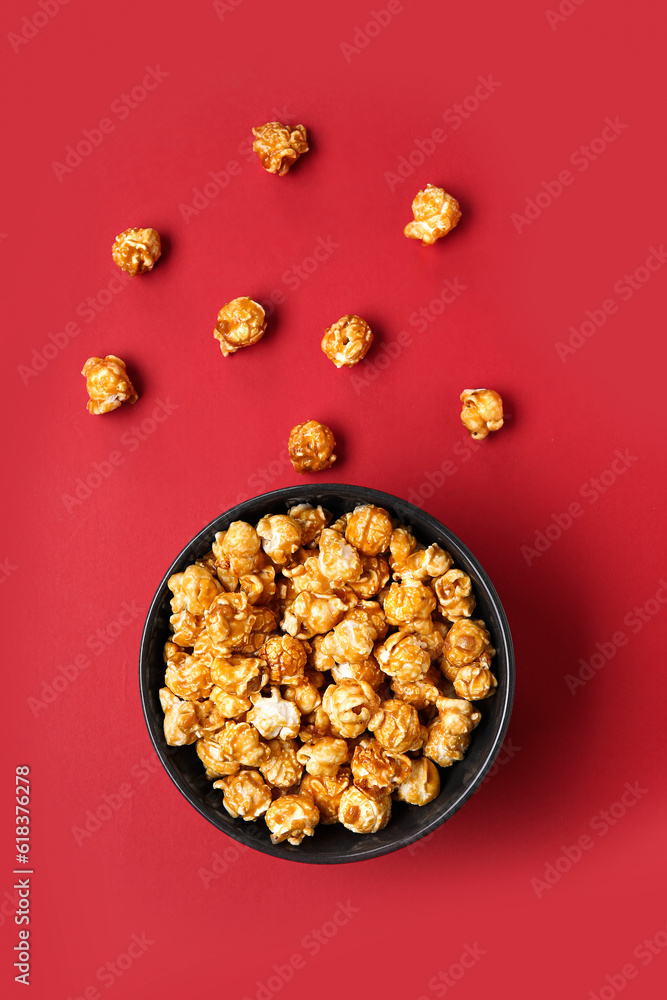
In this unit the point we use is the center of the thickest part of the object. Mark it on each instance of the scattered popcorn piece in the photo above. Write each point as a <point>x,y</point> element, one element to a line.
<point>240,323</point>
<point>347,342</point>
<point>279,146</point>
<point>107,384</point>
<point>245,794</point>
<point>311,446</point>
<point>435,212</point>
<point>422,784</point>
<point>362,813</point>
<point>137,250</point>
<point>292,817</point>
<point>482,412</point>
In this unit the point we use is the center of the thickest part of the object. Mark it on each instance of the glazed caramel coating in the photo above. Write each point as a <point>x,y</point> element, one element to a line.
<point>425,563</point>
<point>402,656</point>
<point>347,342</point>
<point>245,794</point>
<point>279,146</point>
<point>378,771</point>
<point>449,734</point>
<point>194,590</point>
<point>422,784</point>
<point>374,576</point>
<point>311,447</point>
<point>311,519</point>
<point>323,757</point>
<point>286,657</point>
<point>361,813</point>
<point>107,384</point>
<point>419,693</point>
<point>339,561</point>
<point>281,537</point>
<point>240,323</point>
<point>352,707</point>
<point>399,727</point>
<point>366,670</point>
<point>482,412</point>
<point>187,676</point>
<point>137,250</point>
<point>292,817</point>
<point>369,529</point>
<point>475,681</point>
<point>454,593</point>
<point>305,695</point>
<point>238,549</point>
<point>240,742</point>
<point>239,676</point>
<point>281,769</point>
<point>466,641</point>
<point>311,615</point>
<point>408,601</point>
<point>214,758</point>
<point>327,792</point>
<point>274,717</point>
<point>435,213</point>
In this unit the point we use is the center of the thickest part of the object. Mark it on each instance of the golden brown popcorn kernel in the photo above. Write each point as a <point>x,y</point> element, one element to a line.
<point>187,628</point>
<point>240,676</point>
<point>137,250</point>
<point>420,693</point>
<point>286,657</point>
<point>230,706</point>
<point>425,563</point>
<point>292,817</point>
<point>435,212</point>
<point>482,412</point>
<point>366,670</point>
<point>378,771</point>
<point>399,727</point>
<point>311,446</point>
<point>315,726</point>
<point>305,694</point>
<point>369,529</point>
<point>361,813</point>
<point>454,593</point>
<point>310,615</point>
<point>279,146</point>
<point>375,575</point>
<point>107,384</point>
<point>466,641</point>
<point>181,725</point>
<point>238,549</point>
<point>408,601</point>
<point>352,707</point>
<point>312,520</point>
<point>422,784</point>
<point>347,342</point>
<point>274,717</point>
<point>449,733</point>
<point>245,794</point>
<point>323,757</point>
<point>349,641</point>
<point>213,758</point>
<point>240,742</point>
<point>228,624</point>
<point>281,537</point>
<point>187,676</point>
<point>339,561</point>
<point>475,681</point>
<point>240,323</point>
<point>327,792</point>
<point>403,656</point>
<point>259,587</point>
<point>282,769</point>
<point>195,590</point>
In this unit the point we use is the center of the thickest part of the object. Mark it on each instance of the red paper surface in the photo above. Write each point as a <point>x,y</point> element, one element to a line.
<point>529,890</point>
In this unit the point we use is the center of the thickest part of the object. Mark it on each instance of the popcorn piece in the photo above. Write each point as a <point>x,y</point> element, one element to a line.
<point>281,537</point>
<point>259,587</point>
<point>228,624</point>
<point>311,519</point>
<point>308,575</point>
<point>466,641</point>
<point>274,717</point>
<point>326,793</point>
<point>239,676</point>
<point>311,615</point>
<point>347,342</point>
<point>408,601</point>
<point>107,384</point>
<point>366,670</point>
<point>352,707</point>
<point>212,756</point>
<point>194,590</point>
<point>240,742</point>
<point>209,719</point>
<point>181,725</point>
<point>240,323</point>
<point>377,771</point>
<point>282,769</point>
<point>286,657</point>
<point>230,706</point>
<point>349,641</point>
<point>401,544</point>
<point>424,564</point>
<point>449,733</point>
<point>435,212</point>
<point>238,549</point>
<point>292,817</point>
<point>279,146</point>
<point>421,692</point>
<point>403,656</point>
<point>422,784</point>
<point>311,447</point>
<point>317,725</point>
<point>323,757</point>
<point>475,681</point>
<point>245,794</point>
<point>137,250</point>
<point>362,813</point>
<point>339,561</point>
<point>454,593</point>
<point>374,576</point>
<point>399,727</point>
<point>369,529</point>
<point>482,412</point>
<point>187,676</point>
<point>305,696</point>
<point>187,628</point>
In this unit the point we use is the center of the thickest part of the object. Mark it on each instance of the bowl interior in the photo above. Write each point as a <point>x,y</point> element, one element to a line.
<point>334,844</point>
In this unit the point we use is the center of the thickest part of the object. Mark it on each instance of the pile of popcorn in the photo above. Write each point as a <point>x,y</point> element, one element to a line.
<point>323,668</point>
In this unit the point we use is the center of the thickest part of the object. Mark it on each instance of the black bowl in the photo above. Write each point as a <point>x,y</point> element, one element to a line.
<point>334,844</point>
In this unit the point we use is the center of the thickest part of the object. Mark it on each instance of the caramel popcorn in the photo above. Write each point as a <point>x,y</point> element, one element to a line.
<point>311,447</point>
<point>137,250</point>
<point>347,342</point>
<point>108,384</point>
<point>435,212</point>
<point>369,529</point>
<point>362,813</point>
<point>422,784</point>
<point>482,412</point>
<point>292,817</point>
<point>279,146</point>
<point>240,323</point>
<point>449,734</point>
<point>377,771</point>
<point>245,794</point>
<point>321,668</point>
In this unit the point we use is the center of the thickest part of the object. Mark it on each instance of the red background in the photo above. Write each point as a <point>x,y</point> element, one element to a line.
<point>70,566</point>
